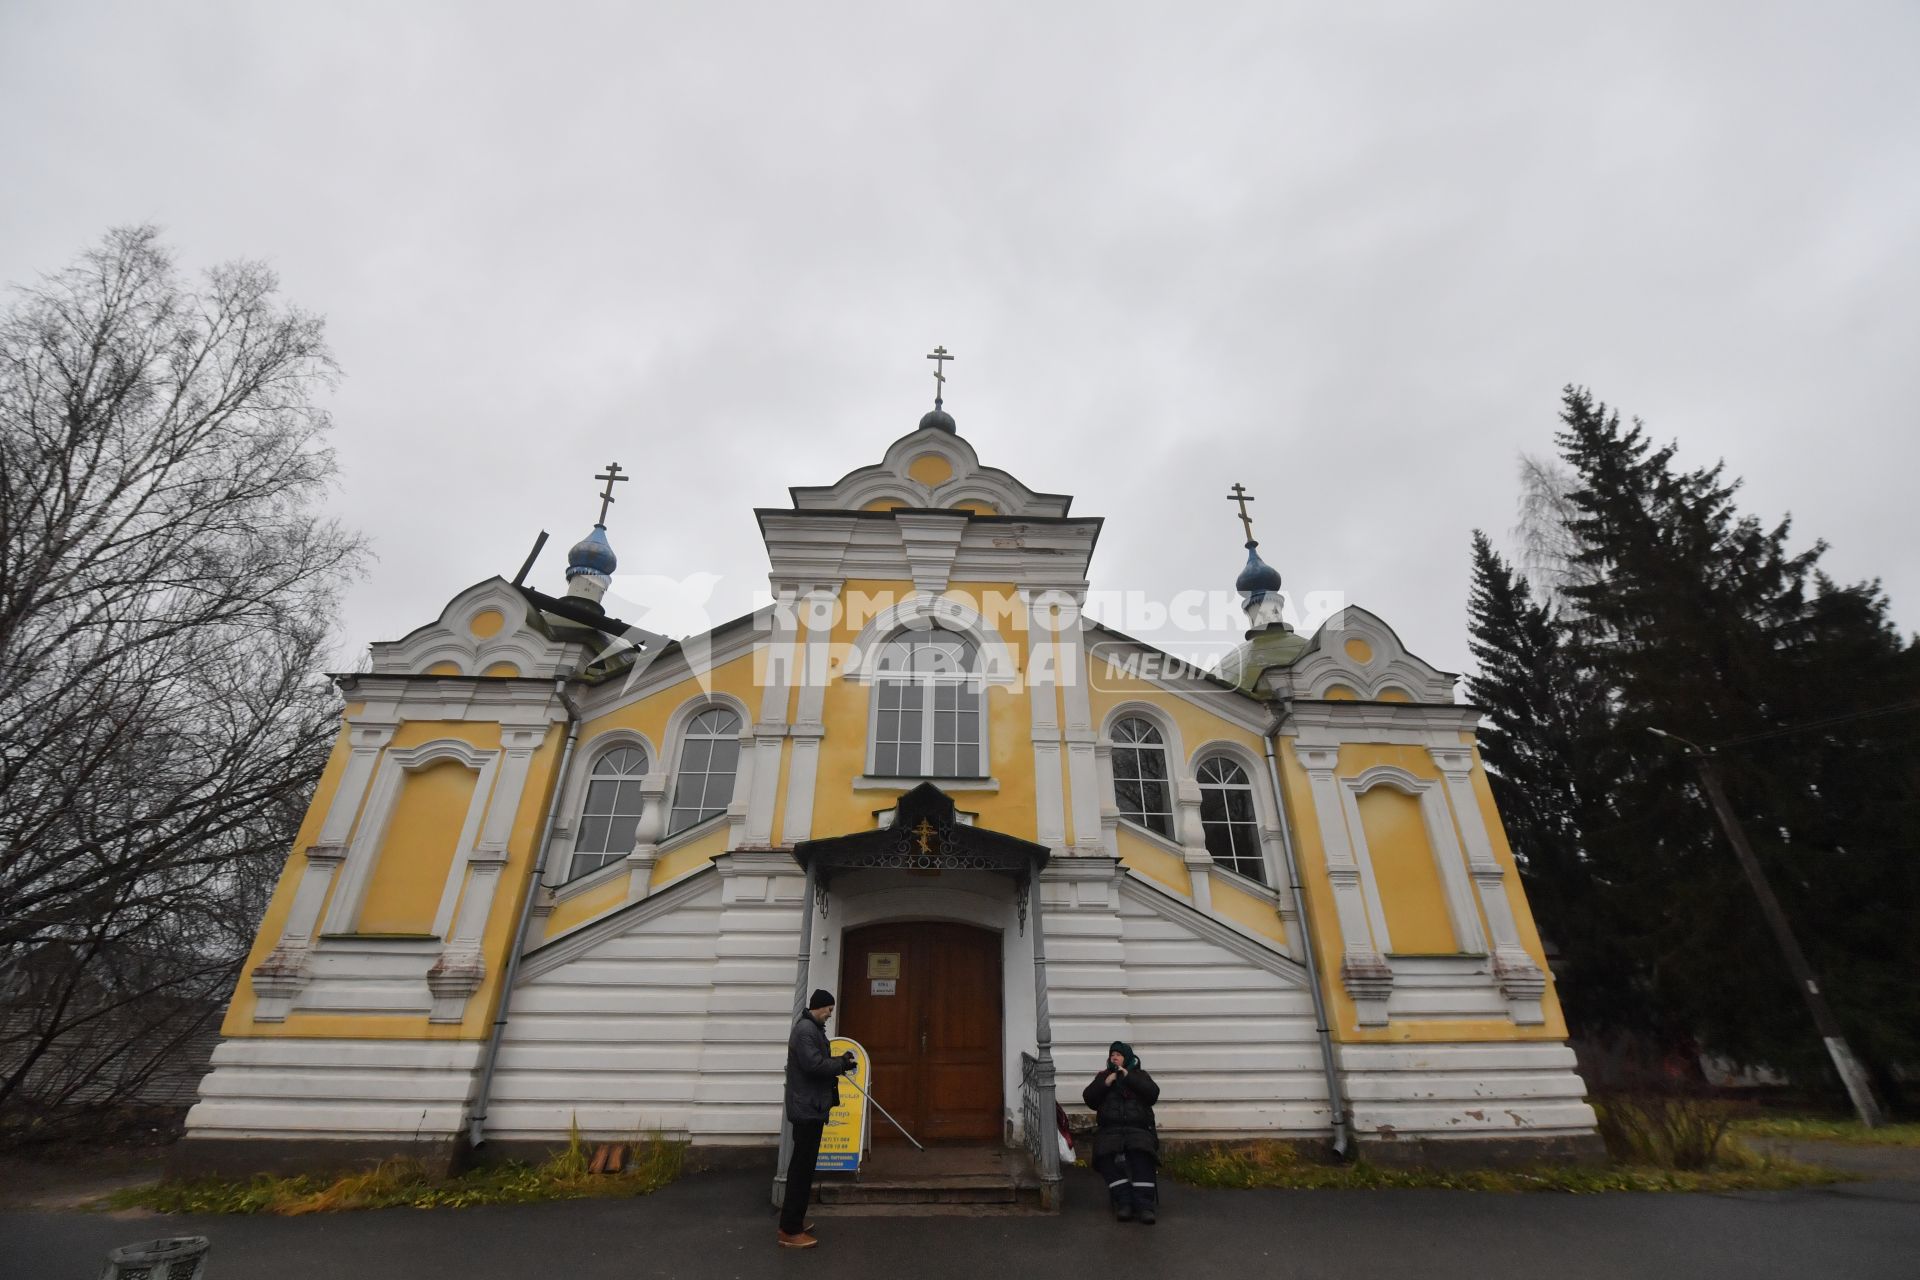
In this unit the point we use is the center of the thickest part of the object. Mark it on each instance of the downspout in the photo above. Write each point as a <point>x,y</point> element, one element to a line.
<point>477,1117</point>
<point>1336,1101</point>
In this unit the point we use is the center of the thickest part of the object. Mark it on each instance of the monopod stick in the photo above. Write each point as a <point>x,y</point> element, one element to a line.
<point>883,1111</point>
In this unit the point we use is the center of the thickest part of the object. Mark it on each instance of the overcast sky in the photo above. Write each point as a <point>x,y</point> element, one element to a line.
<point>1344,254</point>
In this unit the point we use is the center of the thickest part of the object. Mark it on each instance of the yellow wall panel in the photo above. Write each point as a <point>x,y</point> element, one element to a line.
<point>415,858</point>
<point>585,905</point>
<point>1244,909</point>
<point>1153,862</point>
<point>1411,894</point>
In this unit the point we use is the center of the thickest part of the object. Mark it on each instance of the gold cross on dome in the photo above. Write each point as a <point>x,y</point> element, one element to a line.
<point>612,476</point>
<point>925,831</point>
<point>1241,496</point>
<point>939,356</point>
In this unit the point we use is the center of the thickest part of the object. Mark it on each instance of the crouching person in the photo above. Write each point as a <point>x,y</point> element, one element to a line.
<point>1126,1148</point>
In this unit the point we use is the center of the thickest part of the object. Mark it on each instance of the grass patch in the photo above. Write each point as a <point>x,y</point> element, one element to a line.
<point>1274,1164</point>
<point>651,1164</point>
<point>1829,1129</point>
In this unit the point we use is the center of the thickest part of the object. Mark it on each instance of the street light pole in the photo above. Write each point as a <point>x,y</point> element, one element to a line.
<point>1851,1072</point>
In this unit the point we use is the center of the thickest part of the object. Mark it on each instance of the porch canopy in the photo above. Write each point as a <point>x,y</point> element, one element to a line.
<point>924,836</point>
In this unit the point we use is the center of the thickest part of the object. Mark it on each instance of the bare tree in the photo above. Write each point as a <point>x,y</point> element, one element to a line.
<point>1547,542</point>
<point>167,588</point>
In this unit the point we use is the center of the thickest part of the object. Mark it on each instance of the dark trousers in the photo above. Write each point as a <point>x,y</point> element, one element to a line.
<point>1132,1180</point>
<point>806,1150</point>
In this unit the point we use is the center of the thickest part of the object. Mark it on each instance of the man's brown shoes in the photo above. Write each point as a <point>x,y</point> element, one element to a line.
<point>798,1240</point>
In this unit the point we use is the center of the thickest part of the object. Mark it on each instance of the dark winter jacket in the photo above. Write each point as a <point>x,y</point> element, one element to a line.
<point>813,1086</point>
<point>1125,1111</point>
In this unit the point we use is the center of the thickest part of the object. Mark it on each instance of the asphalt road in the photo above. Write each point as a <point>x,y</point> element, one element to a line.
<point>717,1226</point>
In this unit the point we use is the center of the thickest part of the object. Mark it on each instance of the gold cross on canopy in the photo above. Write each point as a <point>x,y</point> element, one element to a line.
<point>612,476</point>
<point>939,356</point>
<point>1241,496</point>
<point>925,831</point>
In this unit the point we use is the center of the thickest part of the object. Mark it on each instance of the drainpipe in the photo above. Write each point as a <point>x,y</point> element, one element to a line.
<point>1336,1101</point>
<point>477,1118</point>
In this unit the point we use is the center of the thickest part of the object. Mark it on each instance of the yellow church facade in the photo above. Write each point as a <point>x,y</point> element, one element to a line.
<point>561,872</point>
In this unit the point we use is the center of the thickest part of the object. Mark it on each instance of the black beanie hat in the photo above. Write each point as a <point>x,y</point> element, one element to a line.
<point>820,999</point>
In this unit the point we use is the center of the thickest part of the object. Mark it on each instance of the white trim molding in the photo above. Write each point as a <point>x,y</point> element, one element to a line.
<point>1521,979</point>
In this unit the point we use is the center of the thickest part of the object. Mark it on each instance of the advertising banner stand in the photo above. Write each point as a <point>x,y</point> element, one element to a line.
<point>845,1140</point>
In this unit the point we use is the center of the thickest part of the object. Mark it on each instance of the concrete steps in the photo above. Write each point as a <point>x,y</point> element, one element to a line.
<point>980,1179</point>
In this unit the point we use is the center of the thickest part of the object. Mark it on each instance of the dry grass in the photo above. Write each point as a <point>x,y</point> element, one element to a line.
<point>1829,1129</point>
<point>652,1163</point>
<point>1667,1131</point>
<point>1275,1164</point>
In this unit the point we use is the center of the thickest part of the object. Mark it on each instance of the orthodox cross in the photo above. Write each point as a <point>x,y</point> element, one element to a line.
<point>939,356</point>
<point>925,831</point>
<point>1241,496</point>
<point>612,476</point>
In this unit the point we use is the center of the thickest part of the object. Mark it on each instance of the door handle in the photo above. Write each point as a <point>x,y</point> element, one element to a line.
<point>923,1040</point>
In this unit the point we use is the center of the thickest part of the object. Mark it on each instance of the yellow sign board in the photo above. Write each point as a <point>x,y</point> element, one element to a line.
<point>883,964</point>
<point>844,1140</point>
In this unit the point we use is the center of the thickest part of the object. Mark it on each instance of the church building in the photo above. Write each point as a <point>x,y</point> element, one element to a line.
<point>563,872</point>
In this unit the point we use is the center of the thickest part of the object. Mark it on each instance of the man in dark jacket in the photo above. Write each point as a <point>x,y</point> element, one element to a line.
<point>813,1089</point>
<point>1126,1148</point>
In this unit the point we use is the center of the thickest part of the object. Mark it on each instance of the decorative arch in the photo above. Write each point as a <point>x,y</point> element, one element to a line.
<point>1379,663</point>
<point>998,666</point>
<point>471,638</point>
<point>891,478</point>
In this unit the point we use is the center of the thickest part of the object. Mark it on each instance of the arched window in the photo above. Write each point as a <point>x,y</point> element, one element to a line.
<point>709,759</point>
<point>611,810</point>
<point>926,707</point>
<point>1140,787</point>
<point>1226,810</point>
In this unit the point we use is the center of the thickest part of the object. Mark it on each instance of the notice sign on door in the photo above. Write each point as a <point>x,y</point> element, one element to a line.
<point>883,964</point>
<point>845,1138</point>
<point>882,986</point>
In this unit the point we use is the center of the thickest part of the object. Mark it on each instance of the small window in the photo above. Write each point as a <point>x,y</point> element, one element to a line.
<point>1226,811</point>
<point>709,760</point>
<point>926,707</point>
<point>1140,788</point>
<point>611,810</point>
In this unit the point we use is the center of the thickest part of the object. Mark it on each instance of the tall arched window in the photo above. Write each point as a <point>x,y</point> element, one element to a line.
<point>926,707</point>
<point>1140,787</point>
<point>610,811</point>
<point>709,760</point>
<point>1226,811</point>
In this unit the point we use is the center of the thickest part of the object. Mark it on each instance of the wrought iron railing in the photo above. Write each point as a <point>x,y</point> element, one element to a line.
<point>1038,1123</point>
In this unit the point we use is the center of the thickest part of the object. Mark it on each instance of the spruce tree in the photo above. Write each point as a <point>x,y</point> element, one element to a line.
<point>1696,619</point>
<point>1544,745</point>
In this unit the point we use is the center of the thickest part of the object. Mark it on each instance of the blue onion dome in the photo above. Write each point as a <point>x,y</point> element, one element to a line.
<point>939,419</point>
<point>592,554</point>
<point>1259,579</point>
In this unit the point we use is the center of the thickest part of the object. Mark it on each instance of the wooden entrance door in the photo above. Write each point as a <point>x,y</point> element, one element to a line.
<point>933,1026</point>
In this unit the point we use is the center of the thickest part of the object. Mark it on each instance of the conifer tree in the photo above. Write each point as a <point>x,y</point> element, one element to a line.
<point>1544,745</point>
<point>1688,616</point>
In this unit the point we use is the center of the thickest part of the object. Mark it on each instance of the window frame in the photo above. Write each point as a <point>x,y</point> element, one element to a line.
<point>693,733</point>
<point>1136,746</point>
<point>605,857</point>
<point>1250,865</point>
<point>970,698</point>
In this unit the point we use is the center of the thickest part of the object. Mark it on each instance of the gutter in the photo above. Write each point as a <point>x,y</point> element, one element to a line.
<point>1336,1101</point>
<point>477,1117</point>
